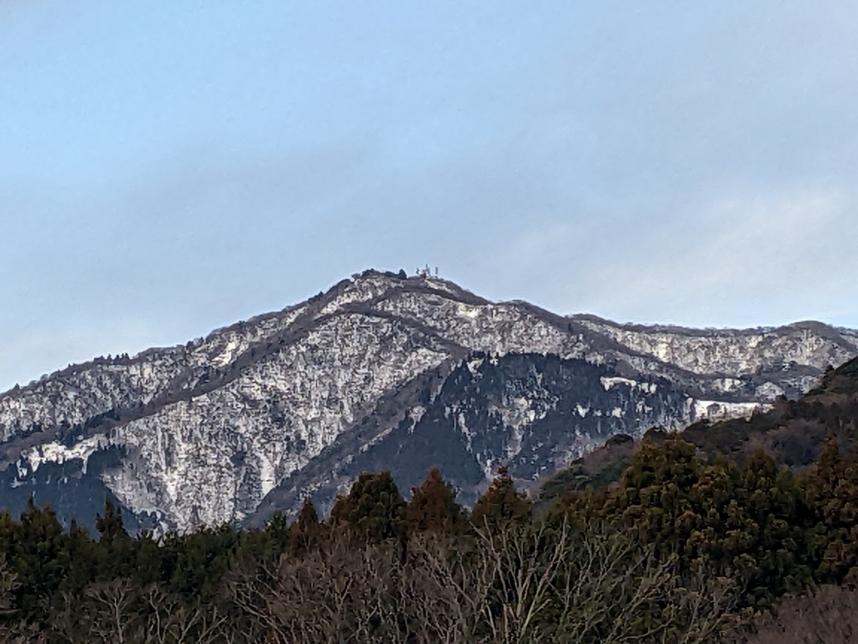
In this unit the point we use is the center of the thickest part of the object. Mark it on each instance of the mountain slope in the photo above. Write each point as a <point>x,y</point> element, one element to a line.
<point>791,431</point>
<point>531,412</point>
<point>248,419</point>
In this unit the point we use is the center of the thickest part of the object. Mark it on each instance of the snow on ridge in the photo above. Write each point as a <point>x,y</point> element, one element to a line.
<point>57,453</point>
<point>609,382</point>
<point>728,351</point>
<point>227,354</point>
<point>720,410</point>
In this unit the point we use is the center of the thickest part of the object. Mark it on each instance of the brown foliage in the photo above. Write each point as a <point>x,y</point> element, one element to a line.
<point>433,507</point>
<point>824,617</point>
<point>501,504</point>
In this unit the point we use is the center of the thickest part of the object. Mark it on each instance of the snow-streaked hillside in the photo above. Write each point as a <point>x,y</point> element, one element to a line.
<point>217,429</point>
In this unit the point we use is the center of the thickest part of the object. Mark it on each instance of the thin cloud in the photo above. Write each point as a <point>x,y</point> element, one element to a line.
<point>780,253</point>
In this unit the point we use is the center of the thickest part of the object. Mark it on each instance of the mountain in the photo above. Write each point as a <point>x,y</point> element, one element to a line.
<point>792,432</point>
<point>381,371</point>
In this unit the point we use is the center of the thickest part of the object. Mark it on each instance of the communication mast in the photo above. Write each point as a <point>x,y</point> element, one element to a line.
<point>426,271</point>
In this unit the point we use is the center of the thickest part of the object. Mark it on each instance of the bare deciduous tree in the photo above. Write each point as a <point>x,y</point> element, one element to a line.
<point>522,583</point>
<point>826,616</point>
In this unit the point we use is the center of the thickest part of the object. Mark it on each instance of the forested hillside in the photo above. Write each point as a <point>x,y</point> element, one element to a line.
<point>729,539</point>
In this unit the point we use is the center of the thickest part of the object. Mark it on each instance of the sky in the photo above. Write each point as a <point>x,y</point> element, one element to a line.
<point>167,168</point>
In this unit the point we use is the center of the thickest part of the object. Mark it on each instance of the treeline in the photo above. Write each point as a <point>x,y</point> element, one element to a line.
<point>683,548</point>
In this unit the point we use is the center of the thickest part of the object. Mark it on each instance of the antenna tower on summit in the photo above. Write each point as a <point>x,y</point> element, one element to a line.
<point>426,271</point>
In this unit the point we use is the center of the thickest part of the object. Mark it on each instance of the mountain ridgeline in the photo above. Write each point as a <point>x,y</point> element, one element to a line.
<point>382,371</point>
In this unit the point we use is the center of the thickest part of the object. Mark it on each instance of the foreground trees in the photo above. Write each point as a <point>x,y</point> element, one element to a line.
<point>524,583</point>
<point>682,549</point>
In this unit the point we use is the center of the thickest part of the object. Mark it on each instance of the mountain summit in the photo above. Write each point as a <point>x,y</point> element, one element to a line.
<point>381,371</point>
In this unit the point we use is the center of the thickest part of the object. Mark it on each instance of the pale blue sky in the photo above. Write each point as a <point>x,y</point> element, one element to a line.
<point>170,167</point>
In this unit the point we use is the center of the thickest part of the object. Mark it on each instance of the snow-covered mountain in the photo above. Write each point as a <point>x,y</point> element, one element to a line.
<point>382,371</point>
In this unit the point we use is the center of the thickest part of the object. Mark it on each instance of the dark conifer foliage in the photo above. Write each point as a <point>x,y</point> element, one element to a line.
<point>305,534</point>
<point>433,507</point>
<point>372,511</point>
<point>832,487</point>
<point>109,523</point>
<point>501,503</point>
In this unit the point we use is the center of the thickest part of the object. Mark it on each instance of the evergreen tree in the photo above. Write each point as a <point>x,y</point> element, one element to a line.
<point>433,506</point>
<point>832,487</point>
<point>37,556</point>
<point>202,557</point>
<point>373,510</point>
<point>776,557</point>
<point>109,523</point>
<point>501,503</point>
<point>80,556</point>
<point>8,583</point>
<point>277,534</point>
<point>148,559</point>
<point>304,534</point>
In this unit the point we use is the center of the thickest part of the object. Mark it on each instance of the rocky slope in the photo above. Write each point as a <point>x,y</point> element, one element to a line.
<point>380,371</point>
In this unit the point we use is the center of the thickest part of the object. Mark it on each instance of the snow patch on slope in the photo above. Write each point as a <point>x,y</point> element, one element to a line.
<point>55,452</point>
<point>719,410</point>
